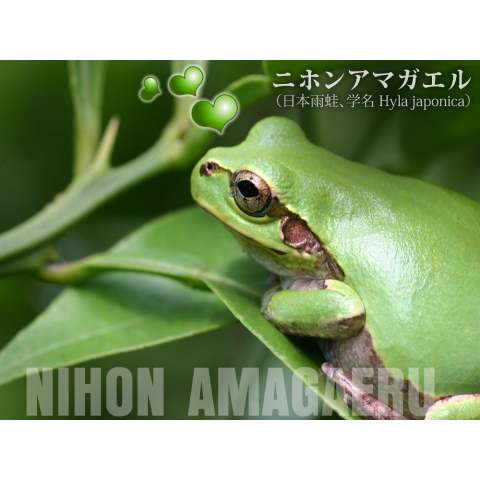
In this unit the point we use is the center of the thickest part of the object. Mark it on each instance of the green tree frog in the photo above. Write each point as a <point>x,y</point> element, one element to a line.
<point>382,270</point>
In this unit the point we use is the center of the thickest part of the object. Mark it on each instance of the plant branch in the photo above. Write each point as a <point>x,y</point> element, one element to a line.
<point>180,144</point>
<point>94,188</point>
<point>87,79</point>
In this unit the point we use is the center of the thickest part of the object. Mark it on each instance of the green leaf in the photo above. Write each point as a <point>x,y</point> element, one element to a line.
<point>112,314</point>
<point>127,311</point>
<point>87,78</point>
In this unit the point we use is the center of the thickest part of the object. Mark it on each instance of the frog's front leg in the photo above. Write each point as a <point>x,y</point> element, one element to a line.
<point>333,310</point>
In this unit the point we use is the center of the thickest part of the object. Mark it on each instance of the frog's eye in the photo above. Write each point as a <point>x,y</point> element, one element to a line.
<point>251,193</point>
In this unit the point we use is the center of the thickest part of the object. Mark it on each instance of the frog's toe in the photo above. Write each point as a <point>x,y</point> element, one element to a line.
<point>458,407</point>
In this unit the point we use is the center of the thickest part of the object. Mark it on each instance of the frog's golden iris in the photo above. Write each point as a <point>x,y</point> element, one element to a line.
<point>251,193</point>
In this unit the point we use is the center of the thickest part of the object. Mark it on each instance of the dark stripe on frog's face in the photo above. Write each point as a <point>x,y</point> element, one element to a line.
<point>254,197</point>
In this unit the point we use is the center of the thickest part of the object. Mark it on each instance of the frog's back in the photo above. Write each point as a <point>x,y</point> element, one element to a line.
<point>411,251</point>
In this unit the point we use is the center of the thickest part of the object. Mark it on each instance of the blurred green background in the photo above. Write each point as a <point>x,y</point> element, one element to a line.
<point>441,145</point>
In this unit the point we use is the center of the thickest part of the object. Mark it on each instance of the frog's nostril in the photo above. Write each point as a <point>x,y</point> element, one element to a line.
<point>208,168</point>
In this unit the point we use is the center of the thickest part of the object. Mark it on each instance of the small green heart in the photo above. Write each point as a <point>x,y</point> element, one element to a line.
<point>188,83</point>
<point>216,116</point>
<point>150,90</point>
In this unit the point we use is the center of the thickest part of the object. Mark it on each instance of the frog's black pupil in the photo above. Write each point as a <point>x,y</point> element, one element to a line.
<point>247,189</point>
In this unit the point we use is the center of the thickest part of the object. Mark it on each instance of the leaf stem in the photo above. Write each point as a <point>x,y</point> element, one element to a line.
<point>83,270</point>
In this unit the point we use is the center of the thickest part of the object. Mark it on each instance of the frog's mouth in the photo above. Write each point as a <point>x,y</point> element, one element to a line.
<point>250,239</point>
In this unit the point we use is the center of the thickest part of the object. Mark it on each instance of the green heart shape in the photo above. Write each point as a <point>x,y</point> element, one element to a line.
<point>223,110</point>
<point>151,89</point>
<point>188,83</point>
